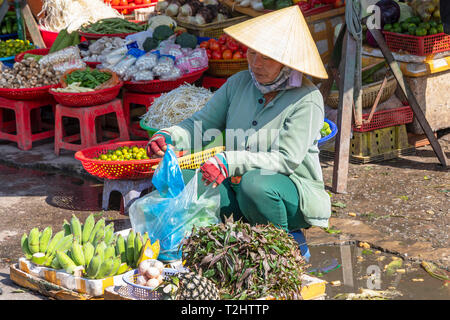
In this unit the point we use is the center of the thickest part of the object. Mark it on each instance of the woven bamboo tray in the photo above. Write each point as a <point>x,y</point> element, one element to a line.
<point>226,68</point>
<point>369,93</point>
<point>211,30</point>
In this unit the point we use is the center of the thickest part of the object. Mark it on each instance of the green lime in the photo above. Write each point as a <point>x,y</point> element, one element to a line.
<point>412,30</point>
<point>405,26</point>
<point>118,153</point>
<point>397,30</point>
<point>416,20</point>
<point>103,157</point>
<point>433,24</point>
<point>114,157</point>
<point>388,27</point>
<point>397,25</point>
<point>440,28</point>
<point>432,31</point>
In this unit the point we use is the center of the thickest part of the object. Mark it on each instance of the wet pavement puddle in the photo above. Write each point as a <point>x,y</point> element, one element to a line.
<point>349,268</point>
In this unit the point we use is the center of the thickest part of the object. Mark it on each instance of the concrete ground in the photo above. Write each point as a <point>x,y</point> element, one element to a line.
<point>399,206</point>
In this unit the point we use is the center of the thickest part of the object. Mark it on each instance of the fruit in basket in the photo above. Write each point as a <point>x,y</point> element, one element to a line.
<point>326,130</point>
<point>219,49</point>
<point>123,154</point>
<point>12,47</point>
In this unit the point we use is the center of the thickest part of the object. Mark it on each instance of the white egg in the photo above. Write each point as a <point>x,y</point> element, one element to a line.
<point>152,283</point>
<point>152,272</point>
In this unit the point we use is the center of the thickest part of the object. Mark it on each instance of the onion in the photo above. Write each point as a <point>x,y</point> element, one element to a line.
<point>152,283</point>
<point>152,273</point>
<point>141,280</point>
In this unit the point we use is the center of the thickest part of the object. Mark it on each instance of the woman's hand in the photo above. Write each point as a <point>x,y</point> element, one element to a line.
<point>157,145</point>
<point>215,170</point>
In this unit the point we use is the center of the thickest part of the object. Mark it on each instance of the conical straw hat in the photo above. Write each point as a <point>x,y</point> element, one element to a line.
<point>284,36</point>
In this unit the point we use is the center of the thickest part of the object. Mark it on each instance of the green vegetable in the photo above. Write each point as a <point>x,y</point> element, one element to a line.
<point>269,4</point>
<point>186,40</point>
<point>150,44</point>
<point>88,78</point>
<point>61,36</point>
<point>280,4</point>
<point>162,32</point>
<point>113,26</point>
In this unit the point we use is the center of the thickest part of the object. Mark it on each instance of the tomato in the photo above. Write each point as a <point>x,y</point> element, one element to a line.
<point>216,55</point>
<point>115,2</point>
<point>237,55</point>
<point>223,47</point>
<point>138,2</point>
<point>208,53</point>
<point>232,45</point>
<point>123,2</point>
<point>146,1</point>
<point>242,48</point>
<point>227,54</point>
<point>213,44</point>
<point>204,44</point>
<point>223,39</point>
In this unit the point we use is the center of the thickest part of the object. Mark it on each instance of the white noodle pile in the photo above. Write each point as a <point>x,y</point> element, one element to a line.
<point>175,106</point>
<point>72,14</point>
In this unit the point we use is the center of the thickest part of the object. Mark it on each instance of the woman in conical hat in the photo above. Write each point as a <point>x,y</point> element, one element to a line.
<point>272,116</point>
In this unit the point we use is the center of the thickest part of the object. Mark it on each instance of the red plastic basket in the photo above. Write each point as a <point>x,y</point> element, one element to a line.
<point>157,86</point>
<point>129,169</point>
<point>27,93</point>
<point>419,46</point>
<point>85,99</point>
<point>386,118</point>
<point>42,52</point>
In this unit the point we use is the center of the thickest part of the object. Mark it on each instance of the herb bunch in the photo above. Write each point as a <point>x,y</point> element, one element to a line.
<point>246,262</point>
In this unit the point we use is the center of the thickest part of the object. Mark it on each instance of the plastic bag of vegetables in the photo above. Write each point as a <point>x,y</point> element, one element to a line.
<point>169,213</point>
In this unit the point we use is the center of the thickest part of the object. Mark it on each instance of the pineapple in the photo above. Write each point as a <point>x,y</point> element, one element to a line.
<point>191,286</point>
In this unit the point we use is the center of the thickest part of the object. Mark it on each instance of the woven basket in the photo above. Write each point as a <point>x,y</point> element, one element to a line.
<point>211,30</point>
<point>226,68</point>
<point>369,93</point>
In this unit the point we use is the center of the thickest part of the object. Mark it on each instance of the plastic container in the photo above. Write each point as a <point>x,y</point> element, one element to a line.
<point>20,56</point>
<point>143,292</point>
<point>8,61</point>
<point>331,136</point>
<point>415,45</point>
<point>48,36</point>
<point>85,99</point>
<point>128,169</point>
<point>4,37</point>
<point>386,118</point>
<point>157,86</point>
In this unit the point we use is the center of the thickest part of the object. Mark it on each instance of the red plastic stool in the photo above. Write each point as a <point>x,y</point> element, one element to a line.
<point>145,99</point>
<point>212,82</point>
<point>27,118</point>
<point>88,129</point>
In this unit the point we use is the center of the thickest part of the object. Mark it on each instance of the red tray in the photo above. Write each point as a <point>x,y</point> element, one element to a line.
<point>128,169</point>
<point>157,86</point>
<point>43,52</point>
<point>85,99</point>
<point>387,118</point>
<point>415,45</point>
<point>27,93</point>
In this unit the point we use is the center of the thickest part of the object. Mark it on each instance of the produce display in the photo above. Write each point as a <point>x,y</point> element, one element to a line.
<point>225,48</point>
<point>12,47</point>
<point>92,52</point>
<point>88,78</point>
<point>175,106</point>
<point>28,74</point>
<point>129,4</point>
<point>415,26</point>
<point>9,23</point>
<point>64,40</point>
<point>63,60</point>
<point>194,11</point>
<point>57,15</point>
<point>244,261</point>
<point>326,130</point>
<point>123,154</point>
<point>113,26</point>
<point>90,250</point>
<point>426,9</point>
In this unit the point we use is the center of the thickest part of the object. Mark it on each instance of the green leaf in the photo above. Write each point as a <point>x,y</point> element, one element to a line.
<point>339,204</point>
<point>332,230</point>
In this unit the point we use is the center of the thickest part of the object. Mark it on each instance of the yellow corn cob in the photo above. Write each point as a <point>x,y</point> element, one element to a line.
<point>88,226</point>
<point>45,239</point>
<point>130,248</point>
<point>138,243</point>
<point>66,263</point>
<point>33,240</point>
<point>25,249</point>
<point>77,253</point>
<point>98,225</point>
<point>94,266</point>
<point>121,248</point>
<point>75,228</point>
<point>105,268</point>
<point>109,233</point>
<point>88,251</point>
<point>116,266</point>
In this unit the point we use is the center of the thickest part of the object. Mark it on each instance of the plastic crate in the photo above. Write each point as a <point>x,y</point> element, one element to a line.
<point>415,45</point>
<point>386,118</point>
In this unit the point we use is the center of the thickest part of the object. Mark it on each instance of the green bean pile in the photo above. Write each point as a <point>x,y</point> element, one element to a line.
<point>113,26</point>
<point>88,78</point>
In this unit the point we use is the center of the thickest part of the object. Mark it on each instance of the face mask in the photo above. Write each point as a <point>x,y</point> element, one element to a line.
<point>287,79</point>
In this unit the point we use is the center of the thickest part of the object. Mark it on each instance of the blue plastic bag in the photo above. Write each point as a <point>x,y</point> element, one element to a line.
<point>169,212</point>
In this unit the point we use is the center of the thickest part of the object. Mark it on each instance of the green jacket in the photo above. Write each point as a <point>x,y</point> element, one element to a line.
<point>281,137</point>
